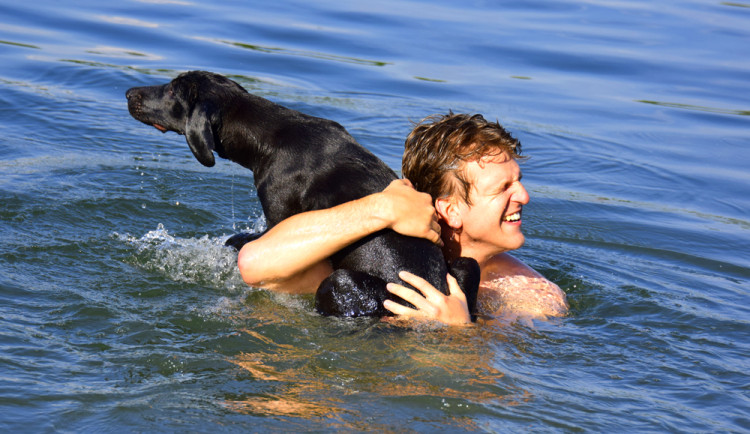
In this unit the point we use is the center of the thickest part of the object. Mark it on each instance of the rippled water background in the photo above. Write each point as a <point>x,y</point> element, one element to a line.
<point>121,311</point>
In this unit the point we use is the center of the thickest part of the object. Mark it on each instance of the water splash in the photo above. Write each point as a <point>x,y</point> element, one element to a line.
<point>203,261</point>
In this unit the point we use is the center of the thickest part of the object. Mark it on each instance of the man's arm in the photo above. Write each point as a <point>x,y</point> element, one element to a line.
<point>293,255</point>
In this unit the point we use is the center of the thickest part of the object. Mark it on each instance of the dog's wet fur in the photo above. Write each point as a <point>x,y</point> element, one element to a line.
<point>300,163</point>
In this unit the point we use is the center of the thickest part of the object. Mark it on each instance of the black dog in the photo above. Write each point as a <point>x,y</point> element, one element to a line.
<point>300,163</point>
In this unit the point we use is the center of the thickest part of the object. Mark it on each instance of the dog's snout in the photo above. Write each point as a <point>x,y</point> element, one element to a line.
<point>135,102</point>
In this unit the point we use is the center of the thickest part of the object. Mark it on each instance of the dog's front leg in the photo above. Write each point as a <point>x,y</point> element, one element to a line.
<point>239,240</point>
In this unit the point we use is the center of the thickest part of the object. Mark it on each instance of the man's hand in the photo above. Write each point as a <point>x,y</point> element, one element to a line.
<point>431,304</point>
<point>409,212</point>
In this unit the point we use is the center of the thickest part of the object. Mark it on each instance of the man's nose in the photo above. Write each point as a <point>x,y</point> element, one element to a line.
<point>520,194</point>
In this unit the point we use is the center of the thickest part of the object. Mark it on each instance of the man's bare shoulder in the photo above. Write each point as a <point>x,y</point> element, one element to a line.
<point>511,288</point>
<point>505,265</point>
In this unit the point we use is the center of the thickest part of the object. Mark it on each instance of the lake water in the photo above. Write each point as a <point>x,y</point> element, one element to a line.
<point>121,311</point>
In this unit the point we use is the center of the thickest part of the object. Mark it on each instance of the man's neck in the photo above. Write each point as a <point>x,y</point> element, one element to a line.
<point>454,246</point>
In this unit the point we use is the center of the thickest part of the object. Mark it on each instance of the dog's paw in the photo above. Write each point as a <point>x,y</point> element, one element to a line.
<point>239,240</point>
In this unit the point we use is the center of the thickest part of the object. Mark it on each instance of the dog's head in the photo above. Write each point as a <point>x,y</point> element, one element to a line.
<point>188,105</point>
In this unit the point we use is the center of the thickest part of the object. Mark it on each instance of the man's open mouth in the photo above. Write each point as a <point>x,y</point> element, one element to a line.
<point>513,217</point>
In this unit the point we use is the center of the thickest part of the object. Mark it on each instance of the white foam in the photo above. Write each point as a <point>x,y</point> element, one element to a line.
<point>204,260</point>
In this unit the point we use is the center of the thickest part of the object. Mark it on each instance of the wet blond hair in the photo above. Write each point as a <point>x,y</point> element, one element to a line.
<point>438,147</point>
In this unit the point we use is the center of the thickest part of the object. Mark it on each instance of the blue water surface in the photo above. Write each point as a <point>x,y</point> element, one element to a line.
<point>120,309</point>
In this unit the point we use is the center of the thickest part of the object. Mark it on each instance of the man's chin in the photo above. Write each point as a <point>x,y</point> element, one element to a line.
<point>516,243</point>
<point>508,245</point>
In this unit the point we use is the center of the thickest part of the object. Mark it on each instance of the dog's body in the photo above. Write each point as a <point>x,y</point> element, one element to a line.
<point>300,163</point>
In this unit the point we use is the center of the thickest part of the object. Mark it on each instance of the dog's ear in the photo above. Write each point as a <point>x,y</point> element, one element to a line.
<point>200,136</point>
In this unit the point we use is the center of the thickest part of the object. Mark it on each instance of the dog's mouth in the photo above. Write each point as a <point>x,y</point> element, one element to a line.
<point>160,128</point>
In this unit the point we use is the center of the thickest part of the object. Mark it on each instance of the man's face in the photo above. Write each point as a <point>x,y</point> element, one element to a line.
<point>492,223</point>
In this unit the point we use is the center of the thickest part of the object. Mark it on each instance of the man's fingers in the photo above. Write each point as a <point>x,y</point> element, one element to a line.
<point>435,225</point>
<point>450,309</point>
<point>434,237</point>
<point>399,309</point>
<point>436,230</point>
<point>407,294</point>
<point>422,285</point>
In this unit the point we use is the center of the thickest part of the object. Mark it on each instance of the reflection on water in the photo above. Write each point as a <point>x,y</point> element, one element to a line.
<point>301,53</point>
<point>294,394</point>
<point>19,44</point>
<point>698,108</point>
<point>330,379</point>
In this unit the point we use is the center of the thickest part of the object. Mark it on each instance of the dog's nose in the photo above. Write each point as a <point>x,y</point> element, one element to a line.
<point>130,93</point>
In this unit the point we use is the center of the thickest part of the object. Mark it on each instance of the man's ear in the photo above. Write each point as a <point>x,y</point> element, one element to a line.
<point>200,136</point>
<point>447,209</point>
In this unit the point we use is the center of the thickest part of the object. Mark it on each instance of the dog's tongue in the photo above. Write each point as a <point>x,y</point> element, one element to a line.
<point>160,128</point>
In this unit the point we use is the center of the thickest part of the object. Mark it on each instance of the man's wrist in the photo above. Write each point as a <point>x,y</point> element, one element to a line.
<point>380,210</point>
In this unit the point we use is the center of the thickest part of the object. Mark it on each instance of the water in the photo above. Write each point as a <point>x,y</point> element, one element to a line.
<point>121,311</point>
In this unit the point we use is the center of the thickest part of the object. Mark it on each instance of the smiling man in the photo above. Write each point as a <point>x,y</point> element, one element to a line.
<point>472,205</point>
<point>470,168</point>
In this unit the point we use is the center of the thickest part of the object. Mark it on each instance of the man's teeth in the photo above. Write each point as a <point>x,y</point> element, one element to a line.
<point>513,217</point>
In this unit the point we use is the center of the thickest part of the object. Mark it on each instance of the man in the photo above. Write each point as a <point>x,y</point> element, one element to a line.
<point>472,208</point>
<point>469,167</point>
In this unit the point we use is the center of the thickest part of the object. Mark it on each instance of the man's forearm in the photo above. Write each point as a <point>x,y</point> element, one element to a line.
<point>303,240</point>
<point>299,242</point>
